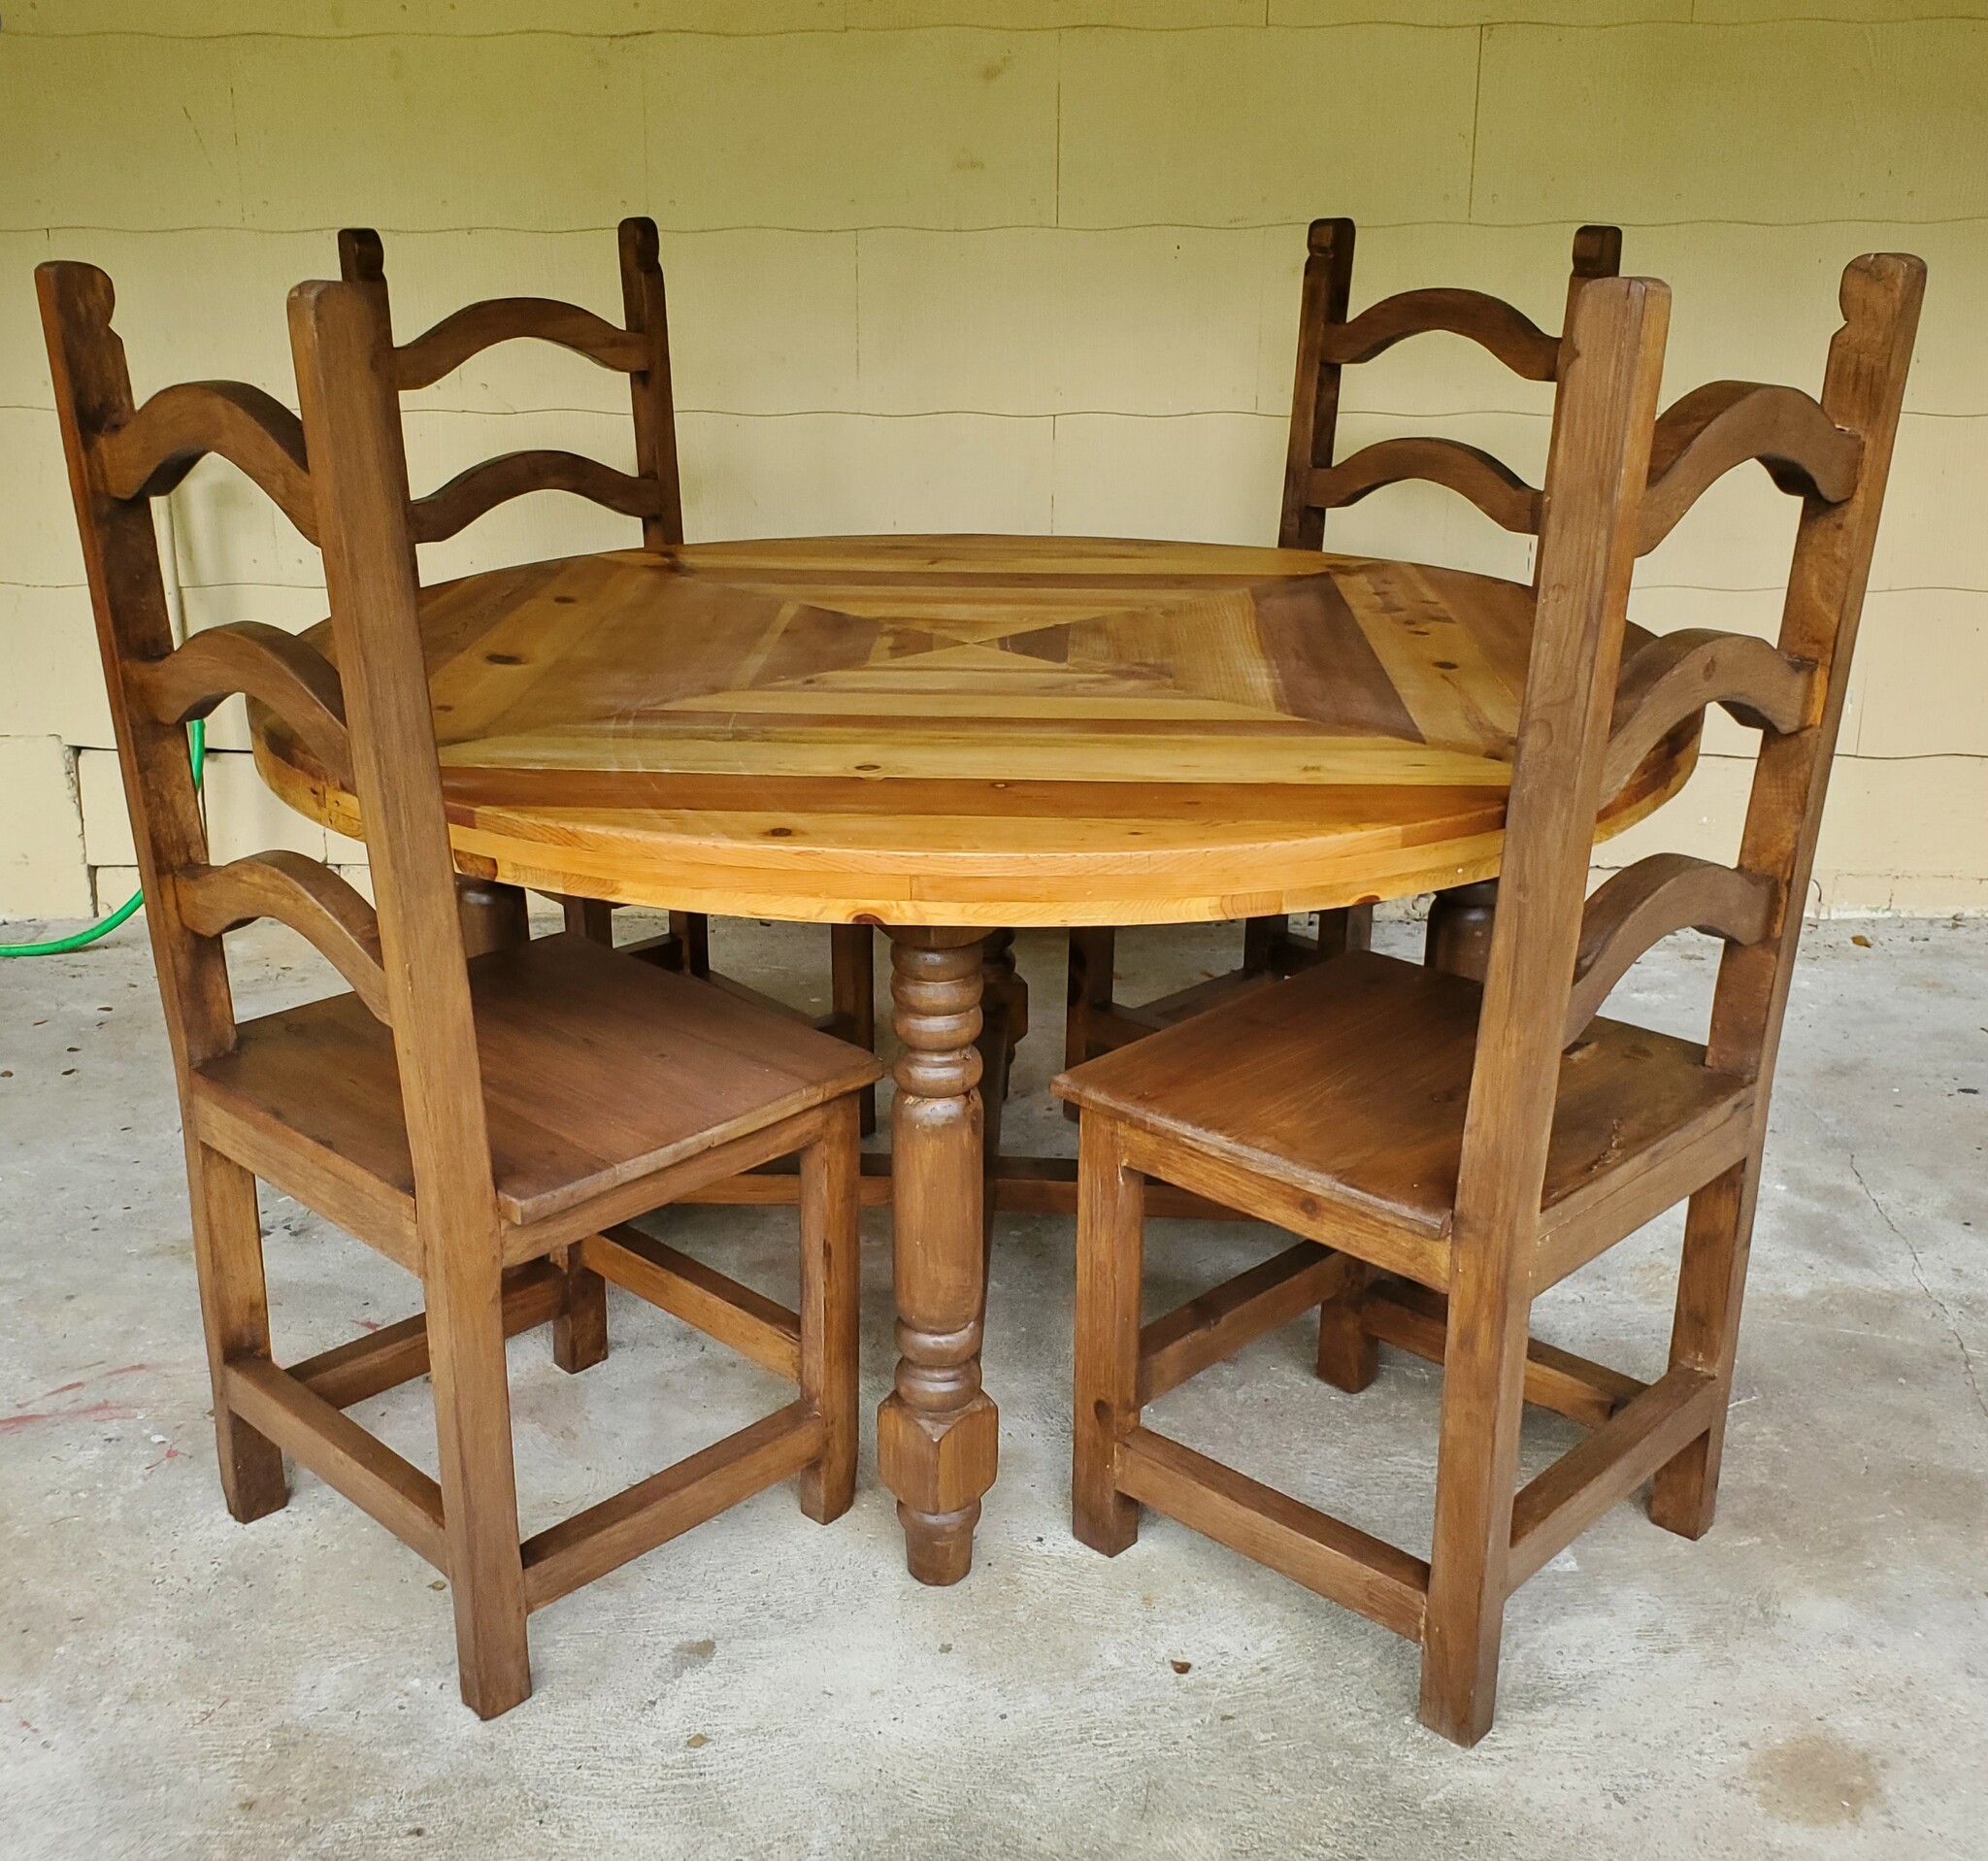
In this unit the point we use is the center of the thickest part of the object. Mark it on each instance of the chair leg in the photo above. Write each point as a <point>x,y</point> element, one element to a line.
<point>590,917</point>
<point>234,1312</point>
<point>1110,1246</point>
<point>1260,940</point>
<point>1348,1355</point>
<point>1093,950</point>
<point>830,1287</point>
<point>1711,1282</point>
<point>1477,1469</point>
<point>479,1480</point>
<point>1002,985</point>
<point>1350,929</point>
<point>1271,948</point>
<point>692,929</point>
<point>852,993</point>
<point>579,1328</point>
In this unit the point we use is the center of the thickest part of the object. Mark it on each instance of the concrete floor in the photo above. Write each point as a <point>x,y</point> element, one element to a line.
<point>1809,1681</point>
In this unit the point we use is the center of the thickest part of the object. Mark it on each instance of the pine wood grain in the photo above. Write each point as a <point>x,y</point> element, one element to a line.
<point>987,730</point>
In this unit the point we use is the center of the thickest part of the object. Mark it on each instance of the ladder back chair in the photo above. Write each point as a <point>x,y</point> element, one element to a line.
<point>1329,340</point>
<point>1474,1144</point>
<point>639,349</point>
<point>484,1123</point>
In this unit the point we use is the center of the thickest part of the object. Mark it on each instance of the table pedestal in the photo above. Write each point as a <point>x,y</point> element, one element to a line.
<point>936,1432</point>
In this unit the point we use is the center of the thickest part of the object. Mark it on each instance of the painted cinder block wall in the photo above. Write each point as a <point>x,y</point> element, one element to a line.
<point>967,264</point>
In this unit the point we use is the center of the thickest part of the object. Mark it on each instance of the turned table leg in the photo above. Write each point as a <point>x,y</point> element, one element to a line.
<point>936,1430</point>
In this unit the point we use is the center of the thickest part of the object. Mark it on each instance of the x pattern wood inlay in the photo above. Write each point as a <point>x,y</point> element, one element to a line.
<point>1125,731</point>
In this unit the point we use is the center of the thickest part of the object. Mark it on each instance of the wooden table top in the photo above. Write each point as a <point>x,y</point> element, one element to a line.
<point>975,730</point>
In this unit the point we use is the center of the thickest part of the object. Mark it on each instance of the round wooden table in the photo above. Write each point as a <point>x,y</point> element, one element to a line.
<point>953,736</point>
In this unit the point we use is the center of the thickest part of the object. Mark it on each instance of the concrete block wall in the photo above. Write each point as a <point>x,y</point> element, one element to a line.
<point>1003,264</point>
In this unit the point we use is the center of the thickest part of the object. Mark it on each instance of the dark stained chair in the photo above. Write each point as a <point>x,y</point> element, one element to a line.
<point>1449,1150</point>
<point>485,1123</point>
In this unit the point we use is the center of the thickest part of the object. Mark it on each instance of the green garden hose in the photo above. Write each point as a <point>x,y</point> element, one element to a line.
<point>196,749</point>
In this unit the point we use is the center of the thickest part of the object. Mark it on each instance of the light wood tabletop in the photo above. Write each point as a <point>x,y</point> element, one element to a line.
<point>952,736</point>
<point>976,730</point>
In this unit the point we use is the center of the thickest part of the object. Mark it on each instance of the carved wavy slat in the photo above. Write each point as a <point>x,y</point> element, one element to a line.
<point>277,669</point>
<point>1725,423</point>
<point>179,426</point>
<point>483,488</point>
<point>503,319</point>
<point>1669,677</point>
<point>1644,904</point>
<point>1502,496</point>
<point>1511,334</point>
<point>295,890</point>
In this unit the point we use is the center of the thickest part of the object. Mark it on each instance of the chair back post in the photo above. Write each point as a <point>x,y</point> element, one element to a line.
<point>1597,254</point>
<point>1863,392</point>
<point>1315,397</point>
<point>352,423</point>
<point>134,627</point>
<point>1595,478</point>
<point>362,261</point>
<point>1613,360</point>
<point>655,408</point>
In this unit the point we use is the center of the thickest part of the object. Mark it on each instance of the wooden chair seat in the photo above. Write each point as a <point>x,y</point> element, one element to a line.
<point>1282,1083</point>
<point>596,1072</point>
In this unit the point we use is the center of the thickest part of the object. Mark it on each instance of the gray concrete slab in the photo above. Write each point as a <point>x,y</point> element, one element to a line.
<point>1812,1680</point>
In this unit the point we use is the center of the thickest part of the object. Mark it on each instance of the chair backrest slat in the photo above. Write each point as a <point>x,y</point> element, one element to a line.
<point>1489,483</point>
<point>1490,322</point>
<point>267,666</point>
<point>476,327</point>
<point>1676,676</point>
<point>1724,424</point>
<point>179,426</point>
<point>473,493</point>
<point>299,892</point>
<point>1649,901</point>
